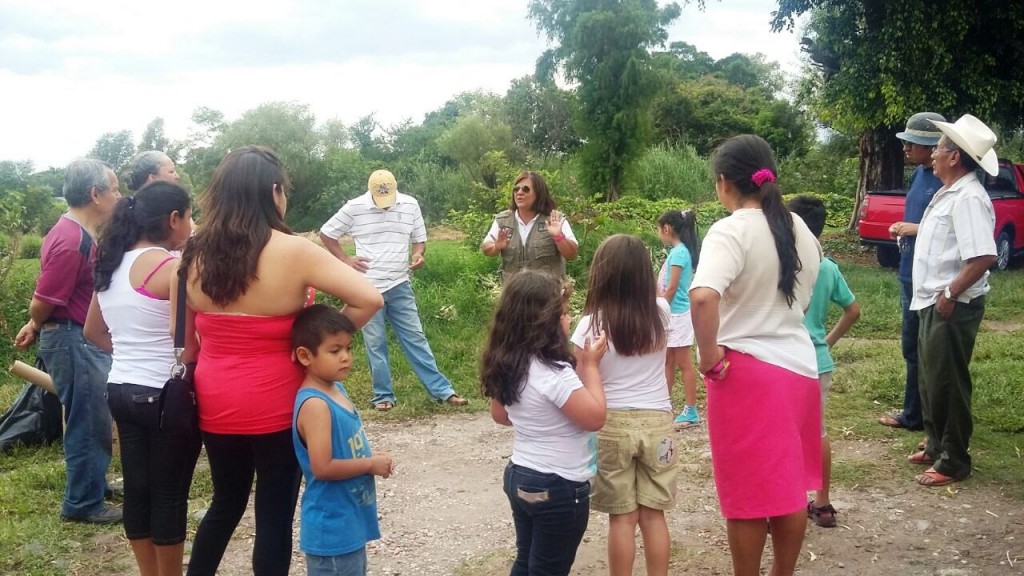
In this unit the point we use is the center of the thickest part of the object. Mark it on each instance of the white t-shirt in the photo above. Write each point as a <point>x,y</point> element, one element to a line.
<point>546,440</point>
<point>738,260</point>
<point>631,382</point>
<point>525,227</point>
<point>381,235</point>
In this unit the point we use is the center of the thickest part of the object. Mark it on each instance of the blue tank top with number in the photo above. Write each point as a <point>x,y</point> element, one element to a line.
<point>338,516</point>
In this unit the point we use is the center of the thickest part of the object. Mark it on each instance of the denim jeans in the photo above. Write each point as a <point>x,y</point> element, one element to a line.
<point>351,564</point>
<point>400,311</point>
<point>157,465</point>
<point>234,460</point>
<point>550,515</point>
<point>911,416</point>
<point>79,372</point>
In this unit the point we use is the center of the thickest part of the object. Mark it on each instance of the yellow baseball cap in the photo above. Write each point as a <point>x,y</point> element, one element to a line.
<point>383,188</point>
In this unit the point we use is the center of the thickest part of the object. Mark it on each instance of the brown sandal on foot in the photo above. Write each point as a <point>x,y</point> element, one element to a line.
<point>920,458</point>
<point>824,516</point>
<point>383,406</point>
<point>932,478</point>
<point>456,400</point>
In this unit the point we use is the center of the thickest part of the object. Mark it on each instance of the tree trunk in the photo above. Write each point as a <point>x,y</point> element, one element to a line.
<point>881,165</point>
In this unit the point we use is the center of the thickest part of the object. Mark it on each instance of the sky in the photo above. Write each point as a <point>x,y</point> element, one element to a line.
<point>72,70</point>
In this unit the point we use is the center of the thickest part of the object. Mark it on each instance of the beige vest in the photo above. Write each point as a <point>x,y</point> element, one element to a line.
<point>539,253</point>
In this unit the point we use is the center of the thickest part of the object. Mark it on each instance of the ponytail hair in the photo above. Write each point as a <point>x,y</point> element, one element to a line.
<point>684,225</point>
<point>144,216</point>
<point>747,162</point>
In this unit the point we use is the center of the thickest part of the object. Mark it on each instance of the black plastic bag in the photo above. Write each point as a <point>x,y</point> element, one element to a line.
<point>35,418</point>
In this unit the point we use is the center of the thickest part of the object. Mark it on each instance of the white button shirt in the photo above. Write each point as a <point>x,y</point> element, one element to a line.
<point>958,225</point>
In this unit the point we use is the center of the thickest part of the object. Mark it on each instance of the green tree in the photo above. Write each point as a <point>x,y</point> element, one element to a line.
<point>153,137</point>
<point>472,142</point>
<point>603,46</point>
<point>878,62</point>
<point>541,115</point>
<point>290,130</point>
<point>114,148</point>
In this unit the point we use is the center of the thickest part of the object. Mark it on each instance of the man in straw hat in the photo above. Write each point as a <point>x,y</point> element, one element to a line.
<point>954,251</point>
<point>383,222</point>
<point>919,139</point>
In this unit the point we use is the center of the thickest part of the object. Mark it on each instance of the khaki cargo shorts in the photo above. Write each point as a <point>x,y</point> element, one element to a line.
<point>637,462</point>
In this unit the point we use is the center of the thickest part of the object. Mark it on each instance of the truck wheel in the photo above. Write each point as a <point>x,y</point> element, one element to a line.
<point>888,256</point>
<point>1004,245</point>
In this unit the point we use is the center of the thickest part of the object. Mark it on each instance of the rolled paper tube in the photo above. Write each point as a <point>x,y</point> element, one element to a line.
<point>33,375</point>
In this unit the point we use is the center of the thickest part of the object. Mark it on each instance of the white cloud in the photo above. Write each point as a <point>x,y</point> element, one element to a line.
<point>72,70</point>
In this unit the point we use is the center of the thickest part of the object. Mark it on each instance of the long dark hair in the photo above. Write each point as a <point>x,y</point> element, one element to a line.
<point>622,296</point>
<point>543,203</point>
<point>684,225</point>
<point>142,216</point>
<point>736,160</point>
<point>526,325</point>
<point>239,215</point>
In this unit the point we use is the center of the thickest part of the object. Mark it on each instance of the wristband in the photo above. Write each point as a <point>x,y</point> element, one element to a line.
<point>558,238</point>
<point>717,372</point>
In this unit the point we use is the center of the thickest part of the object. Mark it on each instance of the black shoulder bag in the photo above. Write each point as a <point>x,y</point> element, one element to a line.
<point>177,405</point>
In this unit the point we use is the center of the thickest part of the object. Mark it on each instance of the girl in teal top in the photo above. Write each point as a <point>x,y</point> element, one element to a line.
<point>678,231</point>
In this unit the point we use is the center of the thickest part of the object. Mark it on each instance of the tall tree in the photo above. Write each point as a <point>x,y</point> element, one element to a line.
<point>114,148</point>
<point>879,61</point>
<point>541,116</point>
<point>153,137</point>
<point>603,46</point>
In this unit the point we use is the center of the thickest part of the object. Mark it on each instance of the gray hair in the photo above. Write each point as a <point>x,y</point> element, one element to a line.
<point>142,166</point>
<point>81,177</point>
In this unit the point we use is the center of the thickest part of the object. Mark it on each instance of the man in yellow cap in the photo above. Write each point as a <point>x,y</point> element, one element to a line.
<point>383,222</point>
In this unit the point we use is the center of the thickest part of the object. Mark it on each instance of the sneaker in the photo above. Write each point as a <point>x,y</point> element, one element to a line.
<point>688,417</point>
<point>106,515</point>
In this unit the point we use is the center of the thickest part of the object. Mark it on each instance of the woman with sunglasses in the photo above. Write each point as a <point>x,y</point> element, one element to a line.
<point>523,243</point>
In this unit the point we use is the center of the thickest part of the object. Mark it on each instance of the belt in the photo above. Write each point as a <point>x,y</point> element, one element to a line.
<point>53,324</point>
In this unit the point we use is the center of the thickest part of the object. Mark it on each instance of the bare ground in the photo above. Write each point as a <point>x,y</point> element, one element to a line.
<point>444,512</point>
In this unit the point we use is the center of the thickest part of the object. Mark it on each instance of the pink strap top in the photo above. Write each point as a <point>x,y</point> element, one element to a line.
<point>145,291</point>
<point>245,379</point>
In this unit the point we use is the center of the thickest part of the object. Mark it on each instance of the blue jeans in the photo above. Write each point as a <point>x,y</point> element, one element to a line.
<point>400,311</point>
<point>79,372</point>
<point>157,465</point>
<point>550,515</point>
<point>911,415</point>
<point>351,564</point>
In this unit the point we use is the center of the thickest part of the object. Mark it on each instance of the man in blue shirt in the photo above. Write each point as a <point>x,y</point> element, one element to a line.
<point>919,139</point>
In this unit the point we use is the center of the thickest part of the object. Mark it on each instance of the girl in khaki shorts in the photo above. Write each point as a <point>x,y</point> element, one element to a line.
<point>636,455</point>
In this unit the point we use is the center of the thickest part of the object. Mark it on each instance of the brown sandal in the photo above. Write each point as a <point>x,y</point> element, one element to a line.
<point>932,478</point>
<point>920,458</point>
<point>383,406</point>
<point>456,400</point>
<point>824,516</point>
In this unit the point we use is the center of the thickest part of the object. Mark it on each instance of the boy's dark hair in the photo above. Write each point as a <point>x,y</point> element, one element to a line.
<point>317,322</point>
<point>811,210</point>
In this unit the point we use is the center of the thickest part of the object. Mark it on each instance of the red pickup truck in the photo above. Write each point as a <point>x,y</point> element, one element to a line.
<point>881,209</point>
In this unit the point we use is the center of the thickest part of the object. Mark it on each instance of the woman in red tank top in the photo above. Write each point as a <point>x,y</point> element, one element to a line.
<point>248,276</point>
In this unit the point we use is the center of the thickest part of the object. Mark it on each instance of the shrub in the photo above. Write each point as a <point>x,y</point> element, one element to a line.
<point>670,172</point>
<point>30,247</point>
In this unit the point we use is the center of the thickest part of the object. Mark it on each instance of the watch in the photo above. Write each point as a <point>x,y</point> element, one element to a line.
<point>947,294</point>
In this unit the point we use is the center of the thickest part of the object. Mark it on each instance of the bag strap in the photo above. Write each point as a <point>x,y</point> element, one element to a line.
<point>179,324</point>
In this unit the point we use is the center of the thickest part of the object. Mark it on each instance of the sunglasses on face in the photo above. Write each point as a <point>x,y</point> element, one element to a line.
<point>524,188</point>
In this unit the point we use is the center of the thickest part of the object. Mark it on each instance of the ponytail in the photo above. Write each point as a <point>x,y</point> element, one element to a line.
<point>747,162</point>
<point>684,226</point>
<point>142,216</point>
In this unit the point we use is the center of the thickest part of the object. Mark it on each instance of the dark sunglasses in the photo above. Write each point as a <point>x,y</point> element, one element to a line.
<point>524,188</point>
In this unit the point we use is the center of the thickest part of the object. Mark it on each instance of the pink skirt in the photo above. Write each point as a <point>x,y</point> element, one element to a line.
<point>764,423</point>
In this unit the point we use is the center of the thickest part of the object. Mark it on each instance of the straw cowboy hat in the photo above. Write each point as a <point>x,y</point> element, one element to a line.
<point>974,138</point>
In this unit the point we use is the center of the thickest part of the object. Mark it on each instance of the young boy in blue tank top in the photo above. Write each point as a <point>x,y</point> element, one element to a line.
<point>339,506</point>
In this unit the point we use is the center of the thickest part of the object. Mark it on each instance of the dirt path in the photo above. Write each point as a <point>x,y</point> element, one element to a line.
<point>444,513</point>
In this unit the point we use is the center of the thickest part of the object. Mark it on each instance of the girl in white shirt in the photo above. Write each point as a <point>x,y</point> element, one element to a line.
<point>527,372</point>
<point>637,456</point>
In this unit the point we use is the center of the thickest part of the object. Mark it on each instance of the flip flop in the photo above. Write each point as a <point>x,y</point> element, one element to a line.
<point>383,406</point>
<point>891,420</point>
<point>456,400</point>
<point>932,478</point>
<point>920,458</point>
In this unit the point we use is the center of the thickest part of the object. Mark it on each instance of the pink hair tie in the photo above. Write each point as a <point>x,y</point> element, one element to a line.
<point>761,176</point>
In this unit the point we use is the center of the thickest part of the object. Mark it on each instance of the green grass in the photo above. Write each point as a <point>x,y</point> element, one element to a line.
<point>456,296</point>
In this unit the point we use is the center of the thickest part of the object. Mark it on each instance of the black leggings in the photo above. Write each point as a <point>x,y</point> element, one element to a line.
<point>234,459</point>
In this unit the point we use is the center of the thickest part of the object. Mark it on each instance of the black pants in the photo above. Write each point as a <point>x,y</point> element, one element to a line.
<point>157,466</point>
<point>234,460</point>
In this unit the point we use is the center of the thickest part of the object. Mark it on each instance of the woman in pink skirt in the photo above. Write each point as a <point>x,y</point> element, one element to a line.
<point>757,272</point>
